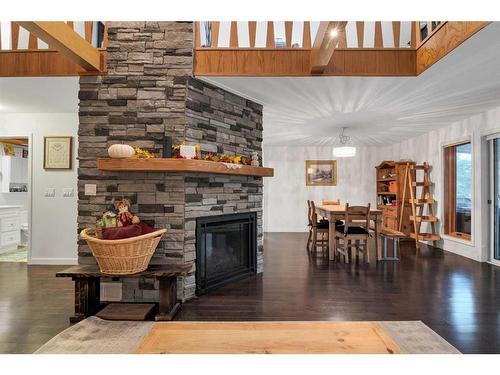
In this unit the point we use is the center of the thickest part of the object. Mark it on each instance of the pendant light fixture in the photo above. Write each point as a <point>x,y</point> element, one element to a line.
<point>344,150</point>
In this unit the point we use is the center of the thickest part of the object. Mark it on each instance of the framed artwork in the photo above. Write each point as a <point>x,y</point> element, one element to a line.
<point>321,172</point>
<point>57,152</point>
<point>8,149</point>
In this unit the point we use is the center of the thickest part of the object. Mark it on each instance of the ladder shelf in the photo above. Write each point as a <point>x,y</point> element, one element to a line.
<point>420,205</point>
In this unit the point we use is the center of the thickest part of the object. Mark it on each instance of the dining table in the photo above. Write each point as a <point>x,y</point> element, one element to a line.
<point>334,212</point>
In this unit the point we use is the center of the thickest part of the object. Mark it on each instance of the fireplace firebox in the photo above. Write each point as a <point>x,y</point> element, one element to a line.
<point>226,250</point>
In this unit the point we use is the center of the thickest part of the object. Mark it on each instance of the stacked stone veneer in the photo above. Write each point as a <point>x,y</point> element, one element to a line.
<point>147,94</point>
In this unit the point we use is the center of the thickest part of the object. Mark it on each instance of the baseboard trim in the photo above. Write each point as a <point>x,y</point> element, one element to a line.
<point>466,253</point>
<point>53,261</point>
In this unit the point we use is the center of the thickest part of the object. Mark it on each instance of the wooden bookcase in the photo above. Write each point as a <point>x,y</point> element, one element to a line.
<point>390,182</point>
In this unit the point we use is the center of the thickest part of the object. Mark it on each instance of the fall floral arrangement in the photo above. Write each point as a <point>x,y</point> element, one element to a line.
<point>210,156</point>
<point>142,154</point>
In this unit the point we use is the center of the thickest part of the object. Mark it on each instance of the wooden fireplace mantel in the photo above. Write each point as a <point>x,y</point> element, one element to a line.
<point>180,165</point>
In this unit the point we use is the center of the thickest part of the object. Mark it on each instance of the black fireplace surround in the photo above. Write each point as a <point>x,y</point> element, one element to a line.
<point>226,250</point>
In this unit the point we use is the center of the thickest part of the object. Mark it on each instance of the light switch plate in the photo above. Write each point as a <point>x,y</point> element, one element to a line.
<point>68,192</point>
<point>90,189</point>
<point>50,192</point>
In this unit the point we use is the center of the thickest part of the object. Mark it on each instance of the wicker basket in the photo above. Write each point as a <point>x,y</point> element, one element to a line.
<point>123,257</point>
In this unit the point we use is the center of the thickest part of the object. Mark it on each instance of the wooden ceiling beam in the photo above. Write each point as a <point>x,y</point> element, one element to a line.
<point>324,45</point>
<point>69,43</point>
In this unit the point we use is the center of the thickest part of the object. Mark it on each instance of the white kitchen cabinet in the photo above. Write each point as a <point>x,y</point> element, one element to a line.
<point>10,228</point>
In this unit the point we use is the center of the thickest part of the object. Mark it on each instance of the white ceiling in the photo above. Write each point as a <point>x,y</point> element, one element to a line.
<point>39,95</point>
<point>378,110</point>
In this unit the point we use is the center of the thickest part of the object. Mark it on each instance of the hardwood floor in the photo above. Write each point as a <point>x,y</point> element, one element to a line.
<point>34,306</point>
<point>455,296</point>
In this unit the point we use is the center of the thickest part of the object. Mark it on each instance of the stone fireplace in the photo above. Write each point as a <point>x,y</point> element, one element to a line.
<point>147,94</point>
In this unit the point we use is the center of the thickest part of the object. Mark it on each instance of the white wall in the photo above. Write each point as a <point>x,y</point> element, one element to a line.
<point>285,194</point>
<point>53,226</point>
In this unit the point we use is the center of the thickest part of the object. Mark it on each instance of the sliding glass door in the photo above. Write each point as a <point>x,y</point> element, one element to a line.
<point>495,199</point>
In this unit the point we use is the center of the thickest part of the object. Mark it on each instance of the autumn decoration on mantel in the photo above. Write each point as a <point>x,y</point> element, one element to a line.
<point>142,154</point>
<point>126,151</point>
<point>210,156</point>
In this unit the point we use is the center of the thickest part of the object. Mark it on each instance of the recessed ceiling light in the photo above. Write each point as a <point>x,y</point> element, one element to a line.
<point>334,33</point>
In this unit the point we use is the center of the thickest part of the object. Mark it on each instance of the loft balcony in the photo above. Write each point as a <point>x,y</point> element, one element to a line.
<point>329,48</point>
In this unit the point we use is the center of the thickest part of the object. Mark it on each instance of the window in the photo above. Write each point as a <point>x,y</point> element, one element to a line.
<point>458,190</point>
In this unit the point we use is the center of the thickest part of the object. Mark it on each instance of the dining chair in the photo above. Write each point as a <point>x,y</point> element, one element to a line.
<point>316,229</point>
<point>354,233</point>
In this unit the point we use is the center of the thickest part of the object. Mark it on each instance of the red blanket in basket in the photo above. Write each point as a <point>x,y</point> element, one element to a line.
<point>120,233</point>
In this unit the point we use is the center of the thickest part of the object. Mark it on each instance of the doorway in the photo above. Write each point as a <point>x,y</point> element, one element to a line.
<point>15,199</point>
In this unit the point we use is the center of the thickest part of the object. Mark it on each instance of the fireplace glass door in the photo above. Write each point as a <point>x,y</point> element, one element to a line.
<point>226,250</point>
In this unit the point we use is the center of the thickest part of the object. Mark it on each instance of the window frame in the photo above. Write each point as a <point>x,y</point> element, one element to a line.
<point>450,187</point>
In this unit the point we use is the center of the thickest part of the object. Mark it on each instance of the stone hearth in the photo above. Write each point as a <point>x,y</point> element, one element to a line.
<point>147,94</point>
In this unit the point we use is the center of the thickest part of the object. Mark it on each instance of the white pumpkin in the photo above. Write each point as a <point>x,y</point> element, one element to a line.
<point>120,151</point>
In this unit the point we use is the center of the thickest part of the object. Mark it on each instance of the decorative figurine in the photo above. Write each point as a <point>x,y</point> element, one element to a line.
<point>109,220</point>
<point>123,212</point>
<point>255,159</point>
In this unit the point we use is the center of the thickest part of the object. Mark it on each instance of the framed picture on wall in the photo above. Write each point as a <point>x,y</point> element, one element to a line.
<point>57,152</point>
<point>321,172</point>
<point>8,149</point>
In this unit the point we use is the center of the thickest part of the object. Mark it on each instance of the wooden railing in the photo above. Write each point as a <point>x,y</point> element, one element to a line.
<point>14,37</point>
<point>424,30</point>
<point>301,35</point>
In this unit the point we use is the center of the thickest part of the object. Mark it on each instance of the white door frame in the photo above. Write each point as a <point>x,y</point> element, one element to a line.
<point>30,195</point>
<point>492,198</point>
<point>30,185</point>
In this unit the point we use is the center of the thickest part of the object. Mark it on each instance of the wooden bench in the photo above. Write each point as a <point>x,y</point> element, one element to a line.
<point>395,235</point>
<point>87,288</point>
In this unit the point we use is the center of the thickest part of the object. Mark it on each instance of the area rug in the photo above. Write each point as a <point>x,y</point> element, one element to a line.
<point>94,336</point>
<point>19,255</point>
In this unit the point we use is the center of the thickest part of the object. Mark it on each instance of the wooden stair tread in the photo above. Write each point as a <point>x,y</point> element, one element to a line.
<point>391,233</point>
<point>426,218</point>
<point>422,201</point>
<point>419,167</point>
<point>425,236</point>
<point>421,183</point>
